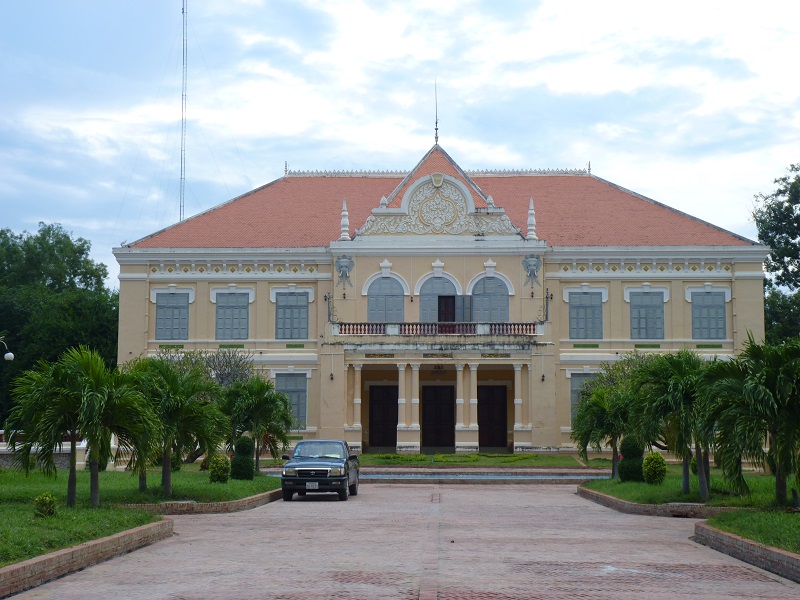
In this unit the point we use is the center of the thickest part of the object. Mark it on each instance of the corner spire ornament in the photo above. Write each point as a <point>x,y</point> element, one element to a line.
<point>531,223</point>
<point>345,236</point>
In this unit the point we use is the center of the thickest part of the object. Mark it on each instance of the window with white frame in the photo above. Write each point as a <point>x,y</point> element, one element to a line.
<point>585,315</point>
<point>490,301</point>
<point>385,301</point>
<point>291,315</point>
<point>708,315</point>
<point>172,316</point>
<point>295,387</point>
<point>647,315</point>
<point>233,315</point>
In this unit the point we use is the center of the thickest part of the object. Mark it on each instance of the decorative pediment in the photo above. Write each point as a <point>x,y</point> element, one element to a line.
<point>438,204</point>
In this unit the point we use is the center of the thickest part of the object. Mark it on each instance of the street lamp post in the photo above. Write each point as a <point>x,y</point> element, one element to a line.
<point>8,355</point>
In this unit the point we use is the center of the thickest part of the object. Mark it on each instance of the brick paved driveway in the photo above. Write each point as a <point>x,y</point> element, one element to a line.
<point>425,541</point>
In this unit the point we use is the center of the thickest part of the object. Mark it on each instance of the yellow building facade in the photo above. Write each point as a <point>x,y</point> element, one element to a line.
<point>438,309</point>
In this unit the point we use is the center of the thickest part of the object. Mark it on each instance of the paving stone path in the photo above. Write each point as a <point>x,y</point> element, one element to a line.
<point>465,542</point>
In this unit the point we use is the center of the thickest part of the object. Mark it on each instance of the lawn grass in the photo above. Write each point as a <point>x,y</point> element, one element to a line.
<point>470,460</point>
<point>24,535</point>
<point>762,490</point>
<point>776,528</point>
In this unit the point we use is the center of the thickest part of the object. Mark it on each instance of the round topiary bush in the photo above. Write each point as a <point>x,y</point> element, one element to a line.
<point>243,466</point>
<point>631,447</point>
<point>654,468</point>
<point>219,469</point>
<point>45,505</point>
<point>630,469</point>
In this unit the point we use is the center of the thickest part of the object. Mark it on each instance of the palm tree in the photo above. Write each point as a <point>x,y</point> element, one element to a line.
<point>668,393</point>
<point>253,405</point>
<point>184,401</point>
<point>755,404</point>
<point>44,413</point>
<point>602,417</point>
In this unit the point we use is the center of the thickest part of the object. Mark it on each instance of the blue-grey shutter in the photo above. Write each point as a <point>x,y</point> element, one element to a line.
<point>233,315</point>
<point>463,309</point>
<point>172,316</point>
<point>291,315</point>
<point>647,315</point>
<point>585,315</point>
<point>490,301</point>
<point>295,387</point>
<point>708,316</point>
<point>385,301</point>
<point>576,382</point>
<point>429,298</point>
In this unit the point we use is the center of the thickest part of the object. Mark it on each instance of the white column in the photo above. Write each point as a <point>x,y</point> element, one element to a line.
<point>415,395</point>
<point>517,396</point>
<point>401,395</point>
<point>473,396</point>
<point>357,395</point>
<point>459,395</point>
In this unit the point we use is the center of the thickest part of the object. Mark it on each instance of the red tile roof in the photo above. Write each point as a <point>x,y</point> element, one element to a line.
<point>304,210</point>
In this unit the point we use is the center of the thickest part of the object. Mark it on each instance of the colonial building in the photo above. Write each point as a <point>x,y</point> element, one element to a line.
<point>439,309</point>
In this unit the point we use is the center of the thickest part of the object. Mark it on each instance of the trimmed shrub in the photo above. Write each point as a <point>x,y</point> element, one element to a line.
<point>693,465</point>
<point>630,469</point>
<point>654,468</point>
<point>631,447</point>
<point>45,505</point>
<point>243,466</point>
<point>219,469</point>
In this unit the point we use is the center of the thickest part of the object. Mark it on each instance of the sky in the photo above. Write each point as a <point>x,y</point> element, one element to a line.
<point>693,104</point>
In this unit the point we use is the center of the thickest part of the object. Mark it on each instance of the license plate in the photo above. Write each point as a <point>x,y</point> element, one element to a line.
<point>312,485</point>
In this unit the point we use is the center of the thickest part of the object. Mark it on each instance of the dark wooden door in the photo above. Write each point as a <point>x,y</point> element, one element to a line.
<point>447,309</point>
<point>383,416</point>
<point>492,416</point>
<point>438,417</point>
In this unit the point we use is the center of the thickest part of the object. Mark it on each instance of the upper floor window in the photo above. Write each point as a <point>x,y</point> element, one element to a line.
<point>295,387</point>
<point>172,316</point>
<point>233,316</point>
<point>490,301</point>
<point>708,315</point>
<point>585,315</point>
<point>385,301</point>
<point>647,315</point>
<point>439,302</point>
<point>291,315</point>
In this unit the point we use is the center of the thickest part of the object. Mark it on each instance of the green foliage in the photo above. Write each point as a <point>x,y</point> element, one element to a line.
<point>630,469</point>
<point>776,528</point>
<point>219,469</point>
<point>45,505</point>
<point>205,462</point>
<point>781,316</point>
<point>654,468</point>
<point>400,458</point>
<point>693,465</point>
<point>175,462</point>
<point>455,458</point>
<point>243,466</point>
<point>631,447</point>
<point>777,218</point>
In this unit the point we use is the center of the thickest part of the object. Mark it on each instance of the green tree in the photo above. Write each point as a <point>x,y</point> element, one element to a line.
<point>668,391</point>
<point>51,298</point>
<point>185,402</point>
<point>781,316</point>
<point>755,404</point>
<point>601,418</point>
<point>254,406</point>
<point>777,218</point>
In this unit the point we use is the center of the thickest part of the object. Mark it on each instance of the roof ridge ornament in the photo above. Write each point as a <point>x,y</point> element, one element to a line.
<point>345,236</point>
<point>531,223</point>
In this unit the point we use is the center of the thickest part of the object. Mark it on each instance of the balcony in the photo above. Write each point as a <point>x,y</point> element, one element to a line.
<point>435,329</point>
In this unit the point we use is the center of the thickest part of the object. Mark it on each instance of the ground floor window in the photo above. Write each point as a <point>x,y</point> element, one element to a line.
<point>295,386</point>
<point>576,382</point>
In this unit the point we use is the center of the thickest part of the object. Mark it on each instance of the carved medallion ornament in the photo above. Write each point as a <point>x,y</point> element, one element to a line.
<point>438,209</point>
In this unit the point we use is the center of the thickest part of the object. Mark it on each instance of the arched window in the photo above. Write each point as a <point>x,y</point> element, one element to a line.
<point>490,301</point>
<point>385,301</point>
<point>437,301</point>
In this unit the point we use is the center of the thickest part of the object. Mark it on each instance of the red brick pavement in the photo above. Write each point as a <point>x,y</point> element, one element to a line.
<point>465,542</point>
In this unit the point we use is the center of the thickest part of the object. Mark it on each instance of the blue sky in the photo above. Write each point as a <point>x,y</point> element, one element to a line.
<point>693,104</point>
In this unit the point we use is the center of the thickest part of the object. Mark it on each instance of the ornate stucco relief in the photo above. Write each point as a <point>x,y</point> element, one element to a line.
<point>438,209</point>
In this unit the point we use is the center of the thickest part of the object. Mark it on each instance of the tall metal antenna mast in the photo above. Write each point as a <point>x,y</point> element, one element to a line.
<point>436,101</point>
<point>183,113</point>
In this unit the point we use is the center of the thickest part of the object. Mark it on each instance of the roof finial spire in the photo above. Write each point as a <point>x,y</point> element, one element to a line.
<point>345,236</point>
<point>436,102</point>
<point>590,167</point>
<point>285,167</point>
<point>531,223</point>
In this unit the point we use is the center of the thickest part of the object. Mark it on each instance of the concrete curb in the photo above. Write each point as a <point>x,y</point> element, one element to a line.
<point>783,563</point>
<point>206,508</point>
<point>36,571</point>
<point>688,510</point>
